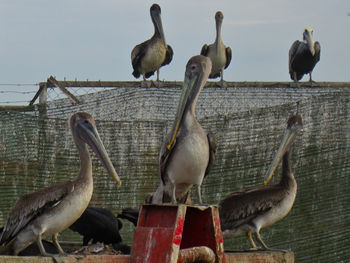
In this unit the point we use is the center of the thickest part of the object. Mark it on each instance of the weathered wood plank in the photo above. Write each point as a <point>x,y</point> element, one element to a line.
<point>69,259</point>
<point>230,84</point>
<point>17,108</point>
<point>260,257</point>
<point>236,257</point>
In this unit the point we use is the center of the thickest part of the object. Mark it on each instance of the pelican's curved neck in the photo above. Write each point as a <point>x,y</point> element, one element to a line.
<point>218,31</point>
<point>218,39</point>
<point>156,30</point>
<point>85,172</point>
<point>191,108</point>
<point>287,174</point>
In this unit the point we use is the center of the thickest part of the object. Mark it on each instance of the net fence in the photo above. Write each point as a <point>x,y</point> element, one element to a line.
<point>37,150</point>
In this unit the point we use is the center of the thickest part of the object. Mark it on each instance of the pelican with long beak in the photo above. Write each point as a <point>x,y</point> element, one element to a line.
<point>303,56</point>
<point>250,210</point>
<point>53,209</point>
<point>219,54</point>
<point>188,152</point>
<point>149,56</point>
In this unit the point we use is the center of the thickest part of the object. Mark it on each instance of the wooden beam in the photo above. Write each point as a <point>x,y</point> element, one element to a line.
<point>230,84</point>
<point>55,83</point>
<point>17,108</point>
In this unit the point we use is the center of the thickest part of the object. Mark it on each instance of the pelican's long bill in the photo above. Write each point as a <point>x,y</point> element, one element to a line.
<point>307,36</point>
<point>287,140</point>
<point>91,137</point>
<point>189,83</point>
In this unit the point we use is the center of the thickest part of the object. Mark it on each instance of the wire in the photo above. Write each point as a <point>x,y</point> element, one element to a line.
<point>17,101</point>
<point>18,92</point>
<point>19,84</point>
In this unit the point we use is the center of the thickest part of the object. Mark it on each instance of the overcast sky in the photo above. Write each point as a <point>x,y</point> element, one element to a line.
<point>93,39</point>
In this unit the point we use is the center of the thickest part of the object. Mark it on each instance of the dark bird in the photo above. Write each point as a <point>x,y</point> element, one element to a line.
<point>303,56</point>
<point>130,214</point>
<point>188,151</point>
<point>98,224</point>
<point>154,53</point>
<point>219,54</point>
<point>53,209</point>
<point>248,211</point>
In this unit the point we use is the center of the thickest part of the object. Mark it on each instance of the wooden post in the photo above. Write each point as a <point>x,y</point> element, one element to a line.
<point>43,130</point>
<point>38,93</point>
<point>43,93</point>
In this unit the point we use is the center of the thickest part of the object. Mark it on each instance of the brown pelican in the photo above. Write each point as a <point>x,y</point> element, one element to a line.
<point>219,54</point>
<point>303,56</point>
<point>188,150</point>
<point>250,210</point>
<point>53,209</point>
<point>154,53</point>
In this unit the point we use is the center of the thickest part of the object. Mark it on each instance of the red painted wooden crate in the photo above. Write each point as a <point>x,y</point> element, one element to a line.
<point>163,230</point>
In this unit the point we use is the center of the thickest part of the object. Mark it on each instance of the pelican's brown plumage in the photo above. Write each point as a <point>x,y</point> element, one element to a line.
<point>53,209</point>
<point>248,211</point>
<point>149,56</point>
<point>188,152</point>
<point>219,54</point>
<point>303,56</point>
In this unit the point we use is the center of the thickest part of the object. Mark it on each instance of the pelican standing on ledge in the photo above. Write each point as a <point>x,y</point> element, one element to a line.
<point>303,56</point>
<point>188,152</point>
<point>219,54</point>
<point>248,211</point>
<point>154,53</point>
<point>53,209</point>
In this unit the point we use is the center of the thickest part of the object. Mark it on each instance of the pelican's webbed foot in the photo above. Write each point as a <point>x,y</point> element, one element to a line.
<point>222,84</point>
<point>295,84</point>
<point>312,83</point>
<point>156,83</point>
<point>265,247</point>
<point>199,194</point>
<point>41,247</point>
<point>251,241</point>
<point>57,245</point>
<point>146,84</point>
<point>173,195</point>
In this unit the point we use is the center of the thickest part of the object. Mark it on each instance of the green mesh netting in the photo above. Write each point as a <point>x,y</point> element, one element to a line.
<point>36,150</point>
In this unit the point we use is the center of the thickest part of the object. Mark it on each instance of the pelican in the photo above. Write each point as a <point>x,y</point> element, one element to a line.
<point>154,53</point>
<point>303,56</point>
<point>248,211</point>
<point>219,54</point>
<point>188,151</point>
<point>53,209</point>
